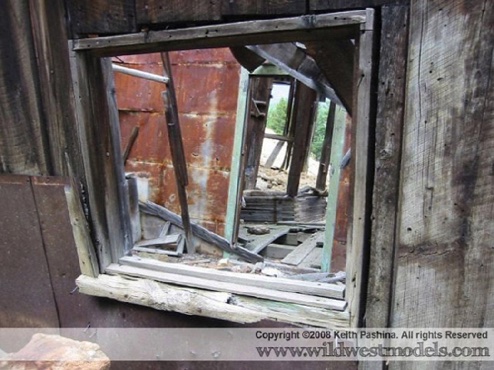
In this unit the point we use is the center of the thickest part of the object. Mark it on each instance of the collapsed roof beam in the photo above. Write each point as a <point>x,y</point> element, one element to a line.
<point>335,58</point>
<point>297,64</point>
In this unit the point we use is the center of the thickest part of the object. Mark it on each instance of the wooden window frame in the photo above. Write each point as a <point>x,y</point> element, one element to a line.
<point>98,128</point>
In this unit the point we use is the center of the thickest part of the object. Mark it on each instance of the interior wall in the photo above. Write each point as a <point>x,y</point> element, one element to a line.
<point>206,84</point>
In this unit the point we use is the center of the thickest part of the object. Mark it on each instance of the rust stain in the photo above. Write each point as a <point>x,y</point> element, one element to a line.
<point>206,83</point>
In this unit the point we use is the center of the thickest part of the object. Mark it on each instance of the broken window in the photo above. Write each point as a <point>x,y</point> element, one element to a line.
<point>275,267</point>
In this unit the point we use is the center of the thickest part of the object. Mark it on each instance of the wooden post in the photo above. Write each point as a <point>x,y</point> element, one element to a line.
<point>303,114</point>
<point>322,173</point>
<point>177,151</point>
<point>336,155</point>
<point>256,125</point>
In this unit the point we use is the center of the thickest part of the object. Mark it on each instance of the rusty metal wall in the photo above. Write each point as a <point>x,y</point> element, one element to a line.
<point>206,83</point>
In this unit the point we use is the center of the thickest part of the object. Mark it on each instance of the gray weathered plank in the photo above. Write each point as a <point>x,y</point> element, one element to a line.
<point>303,250</point>
<point>389,126</point>
<point>298,298</point>
<point>342,24</point>
<point>276,283</point>
<point>357,245</point>
<point>445,233</point>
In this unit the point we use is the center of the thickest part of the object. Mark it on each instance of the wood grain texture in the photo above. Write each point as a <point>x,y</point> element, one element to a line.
<point>332,5</point>
<point>303,119</point>
<point>389,126</point>
<point>335,58</point>
<point>151,12</point>
<point>358,233</point>
<point>23,136</point>
<point>101,16</point>
<point>446,233</point>
<point>262,7</point>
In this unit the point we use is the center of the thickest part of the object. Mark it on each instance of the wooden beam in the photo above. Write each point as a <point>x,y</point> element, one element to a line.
<point>261,242</point>
<point>389,131</point>
<point>88,262</point>
<point>219,305</point>
<point>259,97</point>
<point>278,137</point>
<point>261,281</point>
<point>247,59</point>
<point>99,132</point>
<point>236,171</point>
<point>322,173</point>
<point>334,184</point>
<point>358,242</point>
<point>274,154</point>
<point>140,74</point>
<point>302,251</point>
<point>220,286</point>
<point>338,5</point>
<point>335,58</point>
<point>294,61</point>
<point>199,231</point>
<point>305,100</point>
<point>177,151</point>
<point>343,24</point>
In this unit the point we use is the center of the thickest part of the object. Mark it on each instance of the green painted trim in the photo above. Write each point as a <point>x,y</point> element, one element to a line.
<point>269,70</point>
<point>234,183</point>
<point>334,183</point>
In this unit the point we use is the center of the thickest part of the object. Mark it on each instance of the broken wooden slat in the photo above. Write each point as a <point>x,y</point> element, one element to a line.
<point>259,292</point>
<point>261,242</point>
<point>164,240</point>
<point>260,92</point>
<point>219,305</point>
<point>313,259</point>
<point>336,60</point>
<point>303,115</point>
<point>294,61</point>
<point>157,251</point>
<point>177,150</point>
<point>303,250</point>
<point>130,143</point>
<point>276,283</point>
<point>140,74</point>
<point>322,173</point>
<point>278,251</point>
<point>199,231</point>
<point>274,154</point>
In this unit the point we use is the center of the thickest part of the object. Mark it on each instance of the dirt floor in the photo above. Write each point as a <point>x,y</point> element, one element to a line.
<point>275,178</point>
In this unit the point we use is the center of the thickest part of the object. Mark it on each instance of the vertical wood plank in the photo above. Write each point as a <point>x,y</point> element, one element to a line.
<point>389,126</point>
<point>97,125</point>
<point>303,115</point>
<point>23,137</point>
<point>337,146</point>
<point>236,169</point>
<point>445,231</point>
<point>322,173</point>
<point>260,96</point>
<point>358,241</point>
<point>25,272</point>
<point>57,101</point>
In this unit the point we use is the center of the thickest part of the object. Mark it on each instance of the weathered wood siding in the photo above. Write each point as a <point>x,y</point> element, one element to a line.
<point>36,110</point>
<point>445,254</point>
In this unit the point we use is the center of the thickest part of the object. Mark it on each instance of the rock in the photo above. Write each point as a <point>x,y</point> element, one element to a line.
<point>56,353</point>
<point>258,230</point>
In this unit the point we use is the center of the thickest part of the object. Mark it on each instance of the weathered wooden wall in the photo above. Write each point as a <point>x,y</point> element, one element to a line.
<point>445,234</point>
